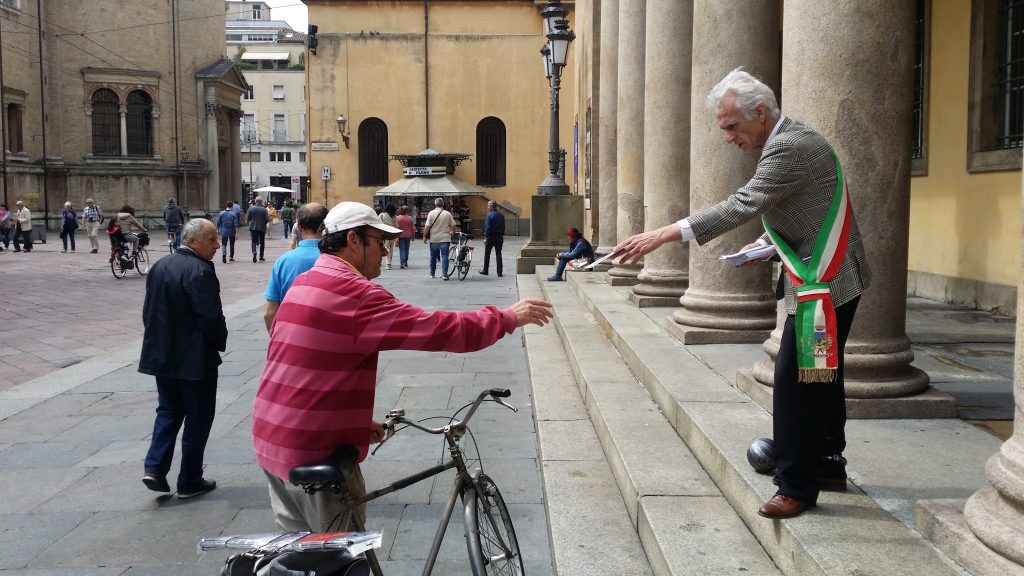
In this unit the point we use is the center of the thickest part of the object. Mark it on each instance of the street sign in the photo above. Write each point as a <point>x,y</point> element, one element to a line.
<point>295,179</point>
<point>325,173</point>
<point>324,146</point>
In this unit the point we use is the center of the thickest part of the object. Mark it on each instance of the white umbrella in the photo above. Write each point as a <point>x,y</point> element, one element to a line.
<point>273,189</point>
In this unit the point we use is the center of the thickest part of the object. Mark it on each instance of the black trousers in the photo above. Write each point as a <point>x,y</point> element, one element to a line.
<point>809,418</point>
<point>22,236</point>
<point>225,242</point>
<point>494,242</point>
<point>258,240</point>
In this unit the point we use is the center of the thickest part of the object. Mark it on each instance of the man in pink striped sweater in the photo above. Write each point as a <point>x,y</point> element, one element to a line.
<point>317,390</point>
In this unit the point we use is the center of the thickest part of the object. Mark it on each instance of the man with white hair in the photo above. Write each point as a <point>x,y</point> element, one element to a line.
<point>438,231</point>
<point>799,191</point>
<point>317,390</point>
<point>22,219</point>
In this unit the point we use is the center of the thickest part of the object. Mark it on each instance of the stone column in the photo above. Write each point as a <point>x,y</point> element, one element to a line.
<point>236,162</point>
<point>666,146</point>
<point>630,132</point>
<point>723,303</point>
<point>212,155</point>
<point>123,112</point>
<point>847,72</point>
<point>996,513</point>
<point>606,150</point>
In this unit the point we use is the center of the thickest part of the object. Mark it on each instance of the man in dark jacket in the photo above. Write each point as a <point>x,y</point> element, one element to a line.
<point>258,221</point>
<point>494,236</point>
<point>184,331</point>
<point>174,217</point>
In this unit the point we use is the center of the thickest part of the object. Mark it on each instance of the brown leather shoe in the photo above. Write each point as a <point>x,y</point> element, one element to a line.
<point>783,507</point>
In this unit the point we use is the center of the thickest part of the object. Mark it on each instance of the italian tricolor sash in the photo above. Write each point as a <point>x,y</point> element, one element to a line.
<point>817,344</point>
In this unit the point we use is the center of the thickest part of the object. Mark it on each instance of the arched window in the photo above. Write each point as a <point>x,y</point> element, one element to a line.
<point>106,124</point>
<point>373,152</point>
<point>140,124</point>
<point>490,152</point>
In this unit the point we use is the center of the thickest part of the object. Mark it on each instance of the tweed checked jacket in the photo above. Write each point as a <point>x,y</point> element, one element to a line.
<point>792,188</point>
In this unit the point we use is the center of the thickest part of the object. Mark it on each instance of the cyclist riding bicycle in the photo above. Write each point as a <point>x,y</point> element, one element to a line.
<point>174,217</point>
<point>128,223</point>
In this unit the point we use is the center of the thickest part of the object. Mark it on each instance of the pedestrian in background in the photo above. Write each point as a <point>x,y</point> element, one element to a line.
<point>185,332</point>
<point>388,218</point>
<point>92,218</point>
<point>68,225</point>
<point>174,217</point>
<point>438,231</point>
<point>258,220</point>
<point>271,219</point>
<point>494,236</point>
<point>23,227</point>
<point>5,227</point>
<point>128,223</point>
<point>227,228</point>
<point>288,218</point>
<point>405,222</point>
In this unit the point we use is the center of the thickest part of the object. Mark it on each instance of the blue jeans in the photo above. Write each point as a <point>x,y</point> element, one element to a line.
<point>439,250</point>
<point>176,230</point>
<point>560,268</point>
<point>191,402</point>
<point>287,228</point>
<point>5,236</point>
<point>403,250</point>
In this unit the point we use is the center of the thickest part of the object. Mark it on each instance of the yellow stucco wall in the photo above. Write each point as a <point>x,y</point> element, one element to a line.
<point>962,225</point>
<point>484,61</point>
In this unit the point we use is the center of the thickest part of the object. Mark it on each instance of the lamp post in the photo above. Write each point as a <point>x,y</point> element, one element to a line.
<point>555,53</point>
<point>184,175</point>
<point>342,122</point>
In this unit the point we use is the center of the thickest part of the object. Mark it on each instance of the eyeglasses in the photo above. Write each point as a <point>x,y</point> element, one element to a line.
<point>378,239</point>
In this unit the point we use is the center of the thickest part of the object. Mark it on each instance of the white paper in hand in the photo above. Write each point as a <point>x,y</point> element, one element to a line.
<point>756,253</point>
<point>601,259</point>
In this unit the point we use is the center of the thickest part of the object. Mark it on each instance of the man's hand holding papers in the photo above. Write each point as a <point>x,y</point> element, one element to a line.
<point>756,252</point>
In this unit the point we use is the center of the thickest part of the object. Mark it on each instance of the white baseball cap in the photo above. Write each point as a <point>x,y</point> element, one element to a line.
<point>350,215</point>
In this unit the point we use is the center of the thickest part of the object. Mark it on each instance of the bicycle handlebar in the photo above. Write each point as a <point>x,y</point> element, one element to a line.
<point>398,416</point>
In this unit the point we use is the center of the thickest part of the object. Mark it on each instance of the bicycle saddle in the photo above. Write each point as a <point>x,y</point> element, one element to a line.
<point>333,468</point>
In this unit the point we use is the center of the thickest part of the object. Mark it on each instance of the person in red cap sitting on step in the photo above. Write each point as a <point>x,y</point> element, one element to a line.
<point>578,248</point>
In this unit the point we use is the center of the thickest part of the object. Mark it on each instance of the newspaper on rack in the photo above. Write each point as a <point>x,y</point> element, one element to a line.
<point>761,252</point>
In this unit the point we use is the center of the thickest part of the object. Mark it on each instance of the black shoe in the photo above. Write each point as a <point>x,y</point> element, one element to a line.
<point>253,258</point>
<point>156,482</point>
<point>499,274</point>
<point>199,489</point>
<point>484,272</point>
<point>224,258</point>
<point>261,259</point>
<point>93,251</point>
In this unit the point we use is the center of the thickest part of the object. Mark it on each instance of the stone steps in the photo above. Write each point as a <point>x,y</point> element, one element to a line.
<point>847,534</point>
<point>685,525</point>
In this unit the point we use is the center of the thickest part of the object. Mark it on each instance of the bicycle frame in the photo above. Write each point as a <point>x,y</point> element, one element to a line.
<point>463,481</point>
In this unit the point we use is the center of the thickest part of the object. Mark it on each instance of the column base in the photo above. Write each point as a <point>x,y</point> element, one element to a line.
<point>698,335</point>
<point>624,275</point>
<point>644,301</point>
<point>943,523</point>
<point>607,264</point>
<point>928,404</point>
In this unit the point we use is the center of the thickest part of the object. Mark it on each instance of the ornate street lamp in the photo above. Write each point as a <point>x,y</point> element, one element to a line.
<point>555,53</point>
<point>184,175</point>
<point>342,122</point>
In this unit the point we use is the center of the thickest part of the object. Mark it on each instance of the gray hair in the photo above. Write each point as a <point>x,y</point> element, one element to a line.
<point>438,202</point>
<point>749,92</point>
<point>192,230</point>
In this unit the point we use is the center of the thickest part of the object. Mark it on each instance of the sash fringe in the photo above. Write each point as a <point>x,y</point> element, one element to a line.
<point>809,375</point>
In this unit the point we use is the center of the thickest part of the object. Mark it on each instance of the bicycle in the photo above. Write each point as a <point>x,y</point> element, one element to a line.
<point>120,263</point>
<point>463,256</point>
<point>490,537</point>
<point>172,238</point>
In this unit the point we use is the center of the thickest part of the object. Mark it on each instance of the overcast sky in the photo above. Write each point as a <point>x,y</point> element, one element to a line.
<point>292,11</point>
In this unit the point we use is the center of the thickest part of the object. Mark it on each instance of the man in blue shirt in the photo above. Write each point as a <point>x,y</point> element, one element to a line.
<point>309,218</point>
<point>227,227</point>
<point>494,236</point>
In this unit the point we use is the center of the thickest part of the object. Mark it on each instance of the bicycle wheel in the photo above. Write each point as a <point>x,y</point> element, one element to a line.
<point>142,261</point>
<point>493,548</point>
<point>116,268</point>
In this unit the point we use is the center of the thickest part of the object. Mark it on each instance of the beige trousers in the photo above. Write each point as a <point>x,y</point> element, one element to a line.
<point>296,511</point>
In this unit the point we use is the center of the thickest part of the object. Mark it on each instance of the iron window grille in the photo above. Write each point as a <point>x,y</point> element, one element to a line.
<point>1009,84</point>
<point>140,124</point>
<point>917,148</point>
<point>106,124</point>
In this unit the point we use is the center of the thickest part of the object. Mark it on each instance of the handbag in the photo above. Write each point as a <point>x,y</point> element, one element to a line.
<point>580,264</point>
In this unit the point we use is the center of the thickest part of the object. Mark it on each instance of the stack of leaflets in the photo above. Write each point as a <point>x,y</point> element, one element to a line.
<point>762,252</point>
